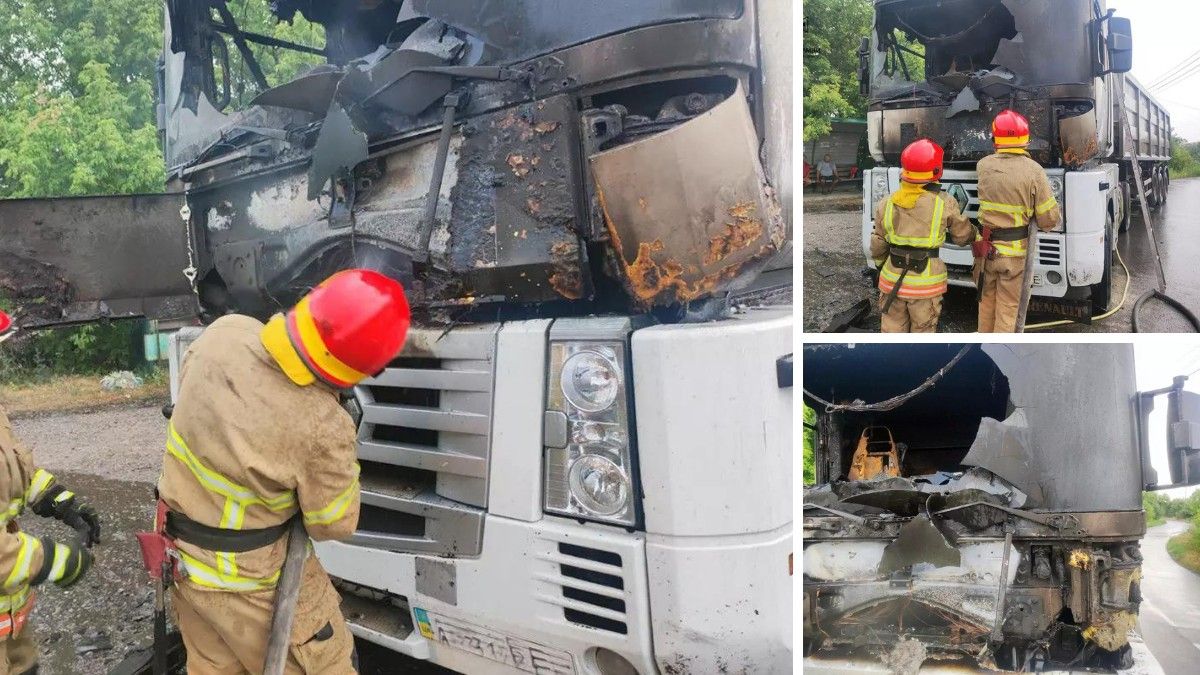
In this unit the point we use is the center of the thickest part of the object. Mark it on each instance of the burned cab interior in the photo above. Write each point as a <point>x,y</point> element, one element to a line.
<point>943,68</point>
<point>942,525</point>
<point>498,159</point>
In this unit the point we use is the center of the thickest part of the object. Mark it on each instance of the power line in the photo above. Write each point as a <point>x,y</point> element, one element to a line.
<point>1178,66</point>
<point>1176,79</point>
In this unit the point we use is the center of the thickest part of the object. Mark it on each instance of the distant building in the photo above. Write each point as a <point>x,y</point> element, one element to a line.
<point>842,142</point>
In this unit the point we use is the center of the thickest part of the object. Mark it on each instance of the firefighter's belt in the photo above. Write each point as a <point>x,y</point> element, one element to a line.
<point>912,258</point>
<point>185,529</point>
<point>1009,233</point>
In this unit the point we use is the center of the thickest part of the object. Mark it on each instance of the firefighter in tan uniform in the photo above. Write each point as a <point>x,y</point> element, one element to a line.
<point>27,561</point>
<point>1013,189</point>
<point>910,227</point>
<point>258,437</point>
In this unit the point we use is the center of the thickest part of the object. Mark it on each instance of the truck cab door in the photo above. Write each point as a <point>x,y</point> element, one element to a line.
<point>77,259</point>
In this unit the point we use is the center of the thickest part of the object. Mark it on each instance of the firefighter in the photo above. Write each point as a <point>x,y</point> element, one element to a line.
<point>910,227</point>
<point>27,561</point>
<point>1013,189</point>
<point>256,438</point>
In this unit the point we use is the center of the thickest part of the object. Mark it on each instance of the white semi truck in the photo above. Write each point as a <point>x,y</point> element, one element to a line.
<point>943,70</point>
<point>582,460</point>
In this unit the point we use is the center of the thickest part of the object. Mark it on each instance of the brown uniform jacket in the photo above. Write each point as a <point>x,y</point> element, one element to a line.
<point>1012,189</point>
<point>20,555</point>
<point>247,448</point>
<point>916,223</point>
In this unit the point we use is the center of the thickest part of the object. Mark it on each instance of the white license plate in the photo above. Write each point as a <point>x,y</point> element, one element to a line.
<point>512,651</point>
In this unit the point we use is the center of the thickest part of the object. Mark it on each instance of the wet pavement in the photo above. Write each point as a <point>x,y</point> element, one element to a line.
<point>834,277</point>
<point>1170,614</point>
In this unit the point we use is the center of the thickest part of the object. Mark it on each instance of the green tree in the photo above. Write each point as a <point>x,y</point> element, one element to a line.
<point>1185,158</point>
<point>810,434</point>
<point>832,30</point>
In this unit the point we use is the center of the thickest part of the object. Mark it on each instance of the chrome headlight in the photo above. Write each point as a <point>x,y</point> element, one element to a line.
<point>589,471</point>
<point>1056,187</point>
<point>879,187</point>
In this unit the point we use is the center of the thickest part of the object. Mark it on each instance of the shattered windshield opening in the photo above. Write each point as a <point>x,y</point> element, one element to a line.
<point>933,50</point>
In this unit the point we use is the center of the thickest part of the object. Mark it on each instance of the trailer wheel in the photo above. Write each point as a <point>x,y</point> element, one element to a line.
<point>1165,183</point>
<point>1152,191</point>
<point>1102,292</point>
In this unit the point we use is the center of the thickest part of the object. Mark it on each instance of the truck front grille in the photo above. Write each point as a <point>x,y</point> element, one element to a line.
<point>423,444</point>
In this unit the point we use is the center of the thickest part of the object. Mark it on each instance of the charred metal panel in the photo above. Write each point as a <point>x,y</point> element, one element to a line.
<point>1078,139</point>
<point>688,210</point>
<point>523,28</point>
<point>515,221</point>
<point>967,137</point>
<point>76,259</point>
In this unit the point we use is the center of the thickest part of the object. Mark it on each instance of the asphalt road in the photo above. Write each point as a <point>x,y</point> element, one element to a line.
<point>1170,612</point>
<point>834,276</point>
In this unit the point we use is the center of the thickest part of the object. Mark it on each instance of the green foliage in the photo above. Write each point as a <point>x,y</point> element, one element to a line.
<point>1155,506</point>
<point>810,435</point>
<point>90,349</point>
<point>1185,158</point>
<point>76,91</point>
<point>832,30</point>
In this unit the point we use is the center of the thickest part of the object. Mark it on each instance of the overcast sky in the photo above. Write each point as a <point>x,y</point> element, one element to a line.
<point>1156,364</point>
<point>1164,34</point>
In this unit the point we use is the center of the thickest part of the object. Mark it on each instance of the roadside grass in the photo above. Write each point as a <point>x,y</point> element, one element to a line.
<point>80,392</point>
<point>1183,548</point>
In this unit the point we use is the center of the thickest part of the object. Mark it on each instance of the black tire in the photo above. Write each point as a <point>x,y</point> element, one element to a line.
<point>1102,292</point>
<point>1165,185</point>
<point>1152,191</point>
<point>1126,207</point>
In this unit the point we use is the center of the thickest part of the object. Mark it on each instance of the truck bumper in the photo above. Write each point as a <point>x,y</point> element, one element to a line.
<point>524,593</point>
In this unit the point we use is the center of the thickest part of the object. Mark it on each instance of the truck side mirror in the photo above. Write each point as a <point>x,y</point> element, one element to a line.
<point>1120,45</point>
<point>1183,435</point>
<point>864,66</point>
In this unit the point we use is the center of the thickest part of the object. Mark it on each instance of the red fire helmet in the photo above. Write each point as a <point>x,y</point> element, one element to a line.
<point>5,322</point>
<point>1010,129</point>
<point>346,329</point>
<point>921,162</point>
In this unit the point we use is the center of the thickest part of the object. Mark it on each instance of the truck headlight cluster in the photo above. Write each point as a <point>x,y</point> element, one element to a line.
<point>879,187</point>
<point>591,475</point>
<point>1056,187</point>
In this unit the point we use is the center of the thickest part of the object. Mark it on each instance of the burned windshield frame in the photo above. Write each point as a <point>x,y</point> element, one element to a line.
<point>908,56</point>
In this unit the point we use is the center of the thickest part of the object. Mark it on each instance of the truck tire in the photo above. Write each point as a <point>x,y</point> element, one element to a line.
<point>1152,191</point>
<point>1102,292</point>
<point>1165,185</point>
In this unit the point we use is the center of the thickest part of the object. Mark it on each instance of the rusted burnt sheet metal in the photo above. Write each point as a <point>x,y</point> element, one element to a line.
<point>77,259</point>
<point>515,219</point>
<point>689,210</point>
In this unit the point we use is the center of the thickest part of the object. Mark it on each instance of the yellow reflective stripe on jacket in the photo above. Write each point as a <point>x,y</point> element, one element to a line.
<point>1046,206</point>
<point>15,507</point>
<point>15,601</point>
<point>936,236</point>
<point>913,279</point>
<point>336,508</point>
<point>237,497</point>
<point>20,570</point>
<point>38,484</point>
<point>202,574</point>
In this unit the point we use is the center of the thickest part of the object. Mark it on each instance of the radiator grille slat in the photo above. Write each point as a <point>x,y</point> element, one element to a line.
<point>424,440</point>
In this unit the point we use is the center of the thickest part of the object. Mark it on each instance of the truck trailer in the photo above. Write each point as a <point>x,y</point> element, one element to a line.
<point>944,69</point>
<point>581,461</point>
<point>987,512</point>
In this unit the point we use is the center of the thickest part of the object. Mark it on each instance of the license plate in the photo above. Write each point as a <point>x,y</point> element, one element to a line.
<point>511,651</point>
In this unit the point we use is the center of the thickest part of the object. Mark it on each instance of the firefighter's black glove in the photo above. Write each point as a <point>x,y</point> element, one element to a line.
<point>60,503</point>
<point>64,564</point>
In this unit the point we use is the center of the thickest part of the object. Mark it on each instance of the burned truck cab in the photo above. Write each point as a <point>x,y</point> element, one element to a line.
<point>944,69</point>
<point>488,154</point>
<point>992,518</point>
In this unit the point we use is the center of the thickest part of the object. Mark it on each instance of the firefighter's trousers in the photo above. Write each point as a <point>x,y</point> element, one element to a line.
<point>226,632</point>
<point>918,315</point>
<point>1001,279</point>
<point>18,654</point>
